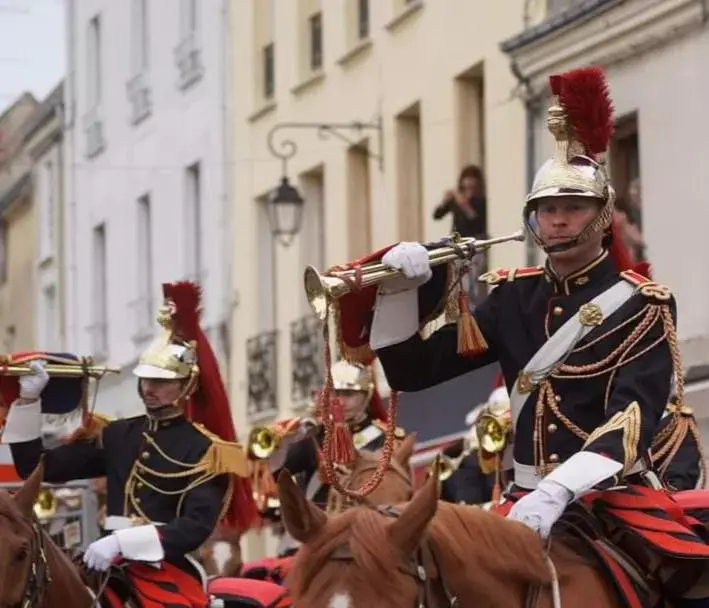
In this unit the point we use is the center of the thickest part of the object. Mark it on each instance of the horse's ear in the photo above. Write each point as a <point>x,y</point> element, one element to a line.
<point>405,450</point>
<point>301,518</point>
<point>27,494</point>
<point>406,531</point>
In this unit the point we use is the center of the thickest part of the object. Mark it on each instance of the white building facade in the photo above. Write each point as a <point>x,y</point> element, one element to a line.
<point>146,188</point>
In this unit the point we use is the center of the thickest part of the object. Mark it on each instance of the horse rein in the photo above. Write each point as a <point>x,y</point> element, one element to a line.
<point>414,567</point>
<point>39,577</point>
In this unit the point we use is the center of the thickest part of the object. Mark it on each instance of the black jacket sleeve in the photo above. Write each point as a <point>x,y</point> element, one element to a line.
<point>302,456</point>
<point>443,209</point>
<point>200,516</point>
<point>468,484</point>
<point>84,460</point>
<point>417,364</point>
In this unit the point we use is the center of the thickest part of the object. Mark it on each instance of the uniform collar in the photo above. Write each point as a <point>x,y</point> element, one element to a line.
<point>164,417</point>
<point>598,269</point>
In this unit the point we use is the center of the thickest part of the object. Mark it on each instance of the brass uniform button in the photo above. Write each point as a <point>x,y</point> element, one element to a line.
<point>145,455</point>
<point>553,457</point>
<point>552,428</point>
<point>557,310</point>
<point>138,485</point>
<point>557,398</point>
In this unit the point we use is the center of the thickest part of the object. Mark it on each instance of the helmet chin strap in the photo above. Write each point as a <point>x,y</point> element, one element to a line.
<point>559,247</point>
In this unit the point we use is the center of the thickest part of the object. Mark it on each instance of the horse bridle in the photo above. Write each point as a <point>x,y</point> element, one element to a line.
<point>39,577</point>
<point>414,567</point>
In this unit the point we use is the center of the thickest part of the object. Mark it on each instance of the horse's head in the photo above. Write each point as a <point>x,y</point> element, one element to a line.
<point>396,485</point>
<point>20,547</point>
<point>221,554</point>
<point>359,558</point>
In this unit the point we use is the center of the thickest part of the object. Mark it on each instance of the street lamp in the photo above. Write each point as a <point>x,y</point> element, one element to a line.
<point>285,212</point>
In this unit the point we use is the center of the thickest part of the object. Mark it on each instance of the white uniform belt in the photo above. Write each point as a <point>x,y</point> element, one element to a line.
<point>526,476</point>
<point>119,522</point>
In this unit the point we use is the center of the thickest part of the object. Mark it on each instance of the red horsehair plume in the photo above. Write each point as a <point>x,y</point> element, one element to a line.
<point>584,95</point>
<point>187,297</point>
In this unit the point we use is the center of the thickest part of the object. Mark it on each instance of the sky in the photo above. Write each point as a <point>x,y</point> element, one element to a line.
<point>32,51</point>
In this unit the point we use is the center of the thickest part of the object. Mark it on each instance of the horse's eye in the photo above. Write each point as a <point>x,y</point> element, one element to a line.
<point>21,554</point>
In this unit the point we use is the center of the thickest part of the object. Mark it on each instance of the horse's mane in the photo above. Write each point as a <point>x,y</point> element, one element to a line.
<point>361,528</point>
<point>476,549</point>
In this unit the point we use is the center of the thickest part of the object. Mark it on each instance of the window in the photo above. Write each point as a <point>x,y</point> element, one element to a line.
<point>143,304</point>
<point>99,327</point>
<point>624,163</point>
<point>140,36</point>
<point>269,71</point>
<point>193,222</point>
<point>93,72</point>
<point>49,317</point>
<point>47,188</point>
<point>188,18</point>
<point>410,173</point>
<point>363,19</point>
<point>316,45</point>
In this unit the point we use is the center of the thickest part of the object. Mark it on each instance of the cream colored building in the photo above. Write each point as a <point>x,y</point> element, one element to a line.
<point>431,74</point>
<point>30,215</point>
<point>654,53</point>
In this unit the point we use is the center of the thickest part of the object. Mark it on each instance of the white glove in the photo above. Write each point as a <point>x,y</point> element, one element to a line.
<point>101,553</point>
<point>32,385</point>
<point>541,508</point>
<point>412,260</point>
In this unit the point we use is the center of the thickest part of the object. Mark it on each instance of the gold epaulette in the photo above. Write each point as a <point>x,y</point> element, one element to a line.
<point>647,287</point>
<point>399,432</point>
<point>223,457</point>
<point>500,275</point>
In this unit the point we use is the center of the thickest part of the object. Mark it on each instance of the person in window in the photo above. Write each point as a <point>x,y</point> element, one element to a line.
<point>468,206</point>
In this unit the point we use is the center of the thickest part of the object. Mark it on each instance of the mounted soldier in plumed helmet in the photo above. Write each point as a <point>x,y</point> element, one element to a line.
<point>172,474</point>
<point>360,425</point>
<point>587,345</point>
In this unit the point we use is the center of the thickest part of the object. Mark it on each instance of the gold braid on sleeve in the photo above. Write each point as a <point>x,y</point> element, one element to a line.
<point>668,442</point>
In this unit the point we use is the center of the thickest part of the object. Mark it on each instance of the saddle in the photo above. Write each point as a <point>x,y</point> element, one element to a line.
<point>651,544</point>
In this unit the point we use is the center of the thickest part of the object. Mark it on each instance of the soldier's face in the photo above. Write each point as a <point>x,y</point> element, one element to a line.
<point>562,218</point>
<point>157,392</point>
<point>353,403</point>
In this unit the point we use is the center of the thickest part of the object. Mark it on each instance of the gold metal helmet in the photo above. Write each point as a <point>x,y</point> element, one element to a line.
<point>173,356</point>
<point>581,120</point>
<point>348,376</point>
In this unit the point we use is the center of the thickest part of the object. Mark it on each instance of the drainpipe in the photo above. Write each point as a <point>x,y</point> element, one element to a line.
<point>530,110</point>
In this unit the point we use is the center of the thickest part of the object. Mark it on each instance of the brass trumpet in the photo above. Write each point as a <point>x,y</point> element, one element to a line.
<point>46,504</point>
<point>264,441</point>
<point>320,289</point>
<point>447,466</point>
<point>60,371</point>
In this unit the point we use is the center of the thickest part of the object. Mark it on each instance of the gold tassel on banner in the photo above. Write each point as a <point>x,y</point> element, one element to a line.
<point>471,341</point>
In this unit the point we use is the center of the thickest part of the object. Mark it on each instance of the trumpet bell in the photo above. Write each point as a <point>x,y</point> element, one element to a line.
<point>446,466</point>
<point>492,434</point>
<point>46,504</point>
<point>263,442</point>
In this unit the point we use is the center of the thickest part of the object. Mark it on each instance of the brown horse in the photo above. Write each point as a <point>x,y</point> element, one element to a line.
<point>428,553</point>
<point>221,554</point>
<point>35,571</point>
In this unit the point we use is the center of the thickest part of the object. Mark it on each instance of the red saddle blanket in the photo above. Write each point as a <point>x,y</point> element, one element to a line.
<point>260,594</point>
<point>665,521</point>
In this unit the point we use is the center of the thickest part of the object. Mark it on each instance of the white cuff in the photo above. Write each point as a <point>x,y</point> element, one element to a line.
<point>23,423</point>
<point>583,471</point>
<point>395,318</point>
<point>141,543</point>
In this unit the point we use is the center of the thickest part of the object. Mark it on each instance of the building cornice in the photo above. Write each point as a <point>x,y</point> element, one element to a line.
<point>608,34</point>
